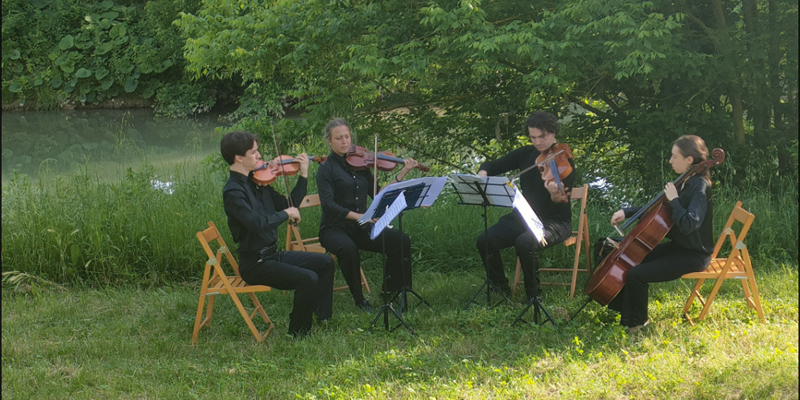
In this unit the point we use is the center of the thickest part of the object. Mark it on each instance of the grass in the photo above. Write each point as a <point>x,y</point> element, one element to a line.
<point>132,343</point>
<point>127,255</point>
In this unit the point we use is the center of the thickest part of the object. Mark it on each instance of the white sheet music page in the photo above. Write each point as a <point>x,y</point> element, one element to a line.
<point>530,217</point>
<point>398,205</point>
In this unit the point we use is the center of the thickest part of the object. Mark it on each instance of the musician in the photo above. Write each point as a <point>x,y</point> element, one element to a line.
<point>547,200</point>
<point>254,213</point>
<point>691,235</point>
<point>343,195</point>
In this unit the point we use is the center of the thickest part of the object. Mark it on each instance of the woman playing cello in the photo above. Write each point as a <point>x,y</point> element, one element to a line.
<point>343,191</point>
<point>691,242</point>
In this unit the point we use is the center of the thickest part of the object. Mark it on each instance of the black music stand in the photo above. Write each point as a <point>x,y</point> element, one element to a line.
<point>413,195</point>
<point>485,192</point>
<point>537,305</point>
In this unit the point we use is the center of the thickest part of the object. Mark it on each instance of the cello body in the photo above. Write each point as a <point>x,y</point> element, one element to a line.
<point>609,278</point>
<point>655,221</point>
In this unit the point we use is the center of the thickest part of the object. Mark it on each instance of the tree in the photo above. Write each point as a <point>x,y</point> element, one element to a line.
<point>454,80</point>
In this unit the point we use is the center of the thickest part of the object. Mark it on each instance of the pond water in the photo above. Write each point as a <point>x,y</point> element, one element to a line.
<point>106,142</point>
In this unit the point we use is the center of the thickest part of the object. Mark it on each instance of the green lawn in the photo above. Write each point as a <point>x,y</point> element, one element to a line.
<point>129,343</point>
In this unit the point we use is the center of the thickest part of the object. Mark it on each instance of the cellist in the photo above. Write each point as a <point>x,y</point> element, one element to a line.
<point>549,201</point>
<point>691,235</point>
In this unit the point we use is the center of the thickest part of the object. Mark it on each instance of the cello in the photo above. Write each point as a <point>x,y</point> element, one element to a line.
<point>655,221</point>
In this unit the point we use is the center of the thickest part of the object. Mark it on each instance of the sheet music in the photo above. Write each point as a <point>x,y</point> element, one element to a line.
<point>497,190</point>
<point>530,217</point>
<point>435,183</point>
<point>398,205</point>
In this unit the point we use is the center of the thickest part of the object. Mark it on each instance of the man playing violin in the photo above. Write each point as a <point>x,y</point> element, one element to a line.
<point>547,199</point>
<point>254,214</point>
<point>343,193</point>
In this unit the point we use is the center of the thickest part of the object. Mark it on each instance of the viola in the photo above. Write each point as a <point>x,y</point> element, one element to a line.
<point>655,221</point>
<point>554,163</point>
<point>266,172</point>
<point>361,158</point>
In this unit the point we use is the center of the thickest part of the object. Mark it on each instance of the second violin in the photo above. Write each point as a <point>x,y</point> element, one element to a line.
<point>360,158</point>
<point>266,172</point>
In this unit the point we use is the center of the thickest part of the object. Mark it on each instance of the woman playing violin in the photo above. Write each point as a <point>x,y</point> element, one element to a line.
<point>343,192</point>
<point>547,199</point>
<point>691,237</point>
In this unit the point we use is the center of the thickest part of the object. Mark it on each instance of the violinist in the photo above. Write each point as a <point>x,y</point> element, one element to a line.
<point>547,199</point>
<point>691,235</point>
<point>254,213</point>
<point>343,192</point>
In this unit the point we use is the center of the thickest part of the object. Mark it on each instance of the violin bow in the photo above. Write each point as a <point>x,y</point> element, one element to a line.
<point>375,156</point>
<point>283,174</point>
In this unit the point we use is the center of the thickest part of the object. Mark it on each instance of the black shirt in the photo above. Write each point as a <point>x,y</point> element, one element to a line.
<point>341,190</point>
<point>692,215</point>
<point>531,183</point>
<point>254,212</point>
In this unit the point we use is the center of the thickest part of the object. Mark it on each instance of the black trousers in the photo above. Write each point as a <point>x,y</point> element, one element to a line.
<point>310,275</point>
<point>345,243</point>
<point>509,231</point>
<point>666,262</point>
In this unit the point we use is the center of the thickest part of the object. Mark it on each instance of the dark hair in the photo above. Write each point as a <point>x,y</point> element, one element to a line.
<point>234,144</point>
<point>694,146</point>
<point>336,122</point>
<point>542,120</point>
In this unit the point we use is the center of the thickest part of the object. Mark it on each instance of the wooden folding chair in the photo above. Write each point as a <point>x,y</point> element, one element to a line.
<point>216,282</point>
<point>736,265</point>
<point>295,242</point>
<point>579,238</point>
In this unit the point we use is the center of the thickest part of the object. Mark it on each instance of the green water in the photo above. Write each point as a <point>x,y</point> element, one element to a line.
<point>105,142</point>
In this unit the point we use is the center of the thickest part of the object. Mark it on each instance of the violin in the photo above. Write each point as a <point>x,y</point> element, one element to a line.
<point>266,172</point>
<point>361,158</point>
<point>554,164</point>
<point>655,221</point>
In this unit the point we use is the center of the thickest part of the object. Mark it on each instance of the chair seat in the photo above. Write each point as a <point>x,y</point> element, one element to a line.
<point>715,269</point>
<point>217,286</point>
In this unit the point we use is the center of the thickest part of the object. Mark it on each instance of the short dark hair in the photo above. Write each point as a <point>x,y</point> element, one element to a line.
<point>234,144</point>
<point>542,120</point>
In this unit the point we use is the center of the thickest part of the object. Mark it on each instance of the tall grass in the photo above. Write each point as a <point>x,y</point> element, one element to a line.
<point>80,229</point>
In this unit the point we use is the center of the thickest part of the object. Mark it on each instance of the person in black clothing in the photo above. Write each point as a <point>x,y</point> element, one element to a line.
<point>343,196</point>
<point>692,240</point>
<point>547,200</point>
<point>254,213</point>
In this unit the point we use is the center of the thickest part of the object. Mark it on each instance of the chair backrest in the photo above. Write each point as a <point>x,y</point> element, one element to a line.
<point>582,194</point>
<point>207,237</point>
<point>728,233</point>
<point>311,200</point>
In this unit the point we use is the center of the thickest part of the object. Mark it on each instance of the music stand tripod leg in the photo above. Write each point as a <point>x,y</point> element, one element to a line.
<point>402,294</point>
<point>387,304</point>
<point>536,304</point>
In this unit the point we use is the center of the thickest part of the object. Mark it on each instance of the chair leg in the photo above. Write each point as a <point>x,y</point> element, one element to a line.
<point>711,296</point>
<point>695,293</point>
<point>198,322</point>
<point>246,317</point>
<point>575,264</point>
<point>264,316</point>
<point>364,281</point>
<point>751,277</point>
<point>516,278</point>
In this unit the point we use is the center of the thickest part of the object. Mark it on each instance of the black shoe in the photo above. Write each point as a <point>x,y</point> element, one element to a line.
<point>365,306</point>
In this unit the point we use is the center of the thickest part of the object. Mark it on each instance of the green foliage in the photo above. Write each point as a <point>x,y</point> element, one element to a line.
<point>88,52</point>
<point>453,81</point>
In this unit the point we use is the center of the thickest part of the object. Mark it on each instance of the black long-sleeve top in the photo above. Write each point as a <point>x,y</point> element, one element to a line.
<point>692,215</point>
<point>341,190</point>
<point>254,212</point>
<point>532,184</point>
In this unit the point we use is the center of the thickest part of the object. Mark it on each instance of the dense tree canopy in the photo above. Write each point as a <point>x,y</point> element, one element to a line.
<point>452,80</point>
